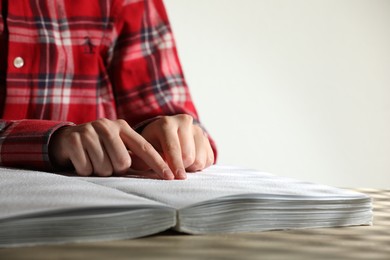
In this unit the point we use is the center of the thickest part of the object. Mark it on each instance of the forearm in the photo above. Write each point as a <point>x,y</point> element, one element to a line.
<point>24,143</point>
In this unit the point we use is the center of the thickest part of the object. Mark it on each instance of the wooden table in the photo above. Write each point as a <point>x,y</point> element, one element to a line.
<point>364,242</point>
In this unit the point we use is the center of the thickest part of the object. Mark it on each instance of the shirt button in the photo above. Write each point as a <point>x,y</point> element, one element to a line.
<point>18,62</point>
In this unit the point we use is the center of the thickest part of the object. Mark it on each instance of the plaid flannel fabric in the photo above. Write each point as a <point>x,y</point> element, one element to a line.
<point>79,60</point>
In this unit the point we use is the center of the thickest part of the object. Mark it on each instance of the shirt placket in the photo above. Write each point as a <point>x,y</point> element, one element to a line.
<point>18,67</point>
<point>3,52</point>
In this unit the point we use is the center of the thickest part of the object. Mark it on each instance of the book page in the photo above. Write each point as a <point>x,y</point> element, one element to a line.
<point>221,181</point>
<point>224,199</point>
<point>30,192</point>
<point>45,208</point>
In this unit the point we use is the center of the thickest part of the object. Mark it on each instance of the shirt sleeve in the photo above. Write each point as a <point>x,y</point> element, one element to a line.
<point>145,70</point>
<point>24,143</point>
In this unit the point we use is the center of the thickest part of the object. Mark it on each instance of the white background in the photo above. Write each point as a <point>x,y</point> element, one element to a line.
<point>298,88</point>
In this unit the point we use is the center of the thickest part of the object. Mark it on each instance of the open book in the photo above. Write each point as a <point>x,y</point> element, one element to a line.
<point>44,208</point>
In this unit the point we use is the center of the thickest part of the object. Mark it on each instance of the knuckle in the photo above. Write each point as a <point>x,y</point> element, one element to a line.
<point>97,124</point>
<point>87,135</point>
<point>109,136</point>
<point>123,163</point>
<point>106,129</point>
<point>188,158</point>
<point>85,171</point>
<point>166,122</point>
<point>198,130</point>
<point>198,164</point>
<point>121,123</point>
<point>210,159</point>
<point>87,130</point>
<point>172,147</point>
<point>209,162</point>
<point>185,118</point>
<point>147,147</point>
<point>103,121</point>
<point>104,172</point>
<point>74,139</point>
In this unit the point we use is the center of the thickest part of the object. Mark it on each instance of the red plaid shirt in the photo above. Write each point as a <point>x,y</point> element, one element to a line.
<point>74,61</point>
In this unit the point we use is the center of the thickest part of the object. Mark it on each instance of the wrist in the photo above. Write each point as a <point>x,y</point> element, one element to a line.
<point>58,159</point>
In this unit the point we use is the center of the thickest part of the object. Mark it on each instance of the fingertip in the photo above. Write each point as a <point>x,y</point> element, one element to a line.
<point>168,175</point>
<point>181,174</point>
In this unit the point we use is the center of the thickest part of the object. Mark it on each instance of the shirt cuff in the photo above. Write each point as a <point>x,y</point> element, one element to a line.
<point>25,143</point>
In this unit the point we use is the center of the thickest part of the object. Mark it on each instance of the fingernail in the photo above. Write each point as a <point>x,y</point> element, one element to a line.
<point>181,174</point>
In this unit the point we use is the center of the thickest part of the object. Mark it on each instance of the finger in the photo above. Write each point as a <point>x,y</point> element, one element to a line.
<point>144,150</point>
<point>79,157</point>
<point>187,144</point>
<point>100,160</point>
<point>114,147</point>
<point>171,148</point>
<point>97,154</point>
<point>210,153</point>
<point>201,151</point>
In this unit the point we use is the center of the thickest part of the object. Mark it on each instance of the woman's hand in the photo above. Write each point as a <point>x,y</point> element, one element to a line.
<point>102,148</point>
<point>181,143</point>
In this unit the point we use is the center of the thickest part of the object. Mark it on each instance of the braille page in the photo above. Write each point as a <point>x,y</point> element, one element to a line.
<point>222,181</point>
<point>29,192</point>
<point>44,208</point>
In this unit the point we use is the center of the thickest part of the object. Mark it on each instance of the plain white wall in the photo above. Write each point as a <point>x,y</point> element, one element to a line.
<point>298,88</point>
